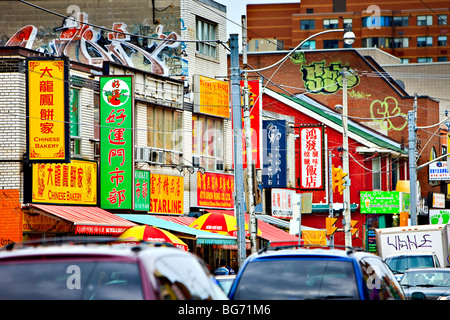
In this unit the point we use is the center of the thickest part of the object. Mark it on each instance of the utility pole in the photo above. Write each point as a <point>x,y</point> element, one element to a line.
<point>237,136</point>
<point>412,161</point>
<point>330,193</point>
<point>248,142</point>
<point>345,162</point>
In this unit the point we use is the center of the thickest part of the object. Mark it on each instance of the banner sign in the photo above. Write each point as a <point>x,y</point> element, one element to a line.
<point>384,202</point>
<point>61,183</point>
<point>47,110</point>
<point>274,174</point>
<point>283,203</point>
<point>215,190</point>
<point>438,171</point>
<point>166,194</point>
<point>116,142</point>
<point>141,190</point>
<point>211,96</point>
<point>311,158</point>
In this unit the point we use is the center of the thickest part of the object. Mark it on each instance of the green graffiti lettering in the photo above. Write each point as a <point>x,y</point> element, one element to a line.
<point>385,112</point>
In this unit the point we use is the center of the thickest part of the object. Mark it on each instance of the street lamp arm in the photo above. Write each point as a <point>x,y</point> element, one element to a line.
<point>293,50</point>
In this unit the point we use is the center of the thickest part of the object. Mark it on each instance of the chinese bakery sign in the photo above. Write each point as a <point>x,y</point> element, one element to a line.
<point>311,158</point>
<point>47,113</point>
<point>116,146</point>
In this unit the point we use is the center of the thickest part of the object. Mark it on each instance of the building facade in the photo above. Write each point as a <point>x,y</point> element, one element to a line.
<point>413,31</point>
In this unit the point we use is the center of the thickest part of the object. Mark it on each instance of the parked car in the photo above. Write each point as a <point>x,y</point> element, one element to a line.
<point>401,262</point>
<point>314,274</point>
<point>225,282</point>
<point>104,272</point>
<point>427,283</point>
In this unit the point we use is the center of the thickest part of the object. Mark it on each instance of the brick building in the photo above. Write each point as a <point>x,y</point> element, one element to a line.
<point>414,31</point>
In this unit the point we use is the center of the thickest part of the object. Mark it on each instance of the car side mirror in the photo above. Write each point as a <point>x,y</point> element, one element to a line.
<point>418,296</point>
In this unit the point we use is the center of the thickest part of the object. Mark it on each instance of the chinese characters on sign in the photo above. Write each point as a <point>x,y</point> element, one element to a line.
<point>215,190</point>
<point>48,117</point>
<point>116,136</point>
<point>166,194</point>
<point>141,190</point>
<point>71,183</point>
<point>211,96</point>
<point>282,203</point>
<point>311,158</point>
<point>274,154</point>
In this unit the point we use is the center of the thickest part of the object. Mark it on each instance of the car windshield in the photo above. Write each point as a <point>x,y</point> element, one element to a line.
<point>284,279</point>
<point>402,263</point>
<point>426,279</point>
<point>70,281</point>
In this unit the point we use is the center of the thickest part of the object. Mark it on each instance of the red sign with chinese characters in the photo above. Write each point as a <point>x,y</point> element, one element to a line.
<point>215,190</point>
<point>311,158</point>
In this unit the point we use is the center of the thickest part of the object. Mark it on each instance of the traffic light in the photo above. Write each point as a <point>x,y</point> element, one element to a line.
<point>353,224</point>
<point>329,223</point>
<point>338,179</point>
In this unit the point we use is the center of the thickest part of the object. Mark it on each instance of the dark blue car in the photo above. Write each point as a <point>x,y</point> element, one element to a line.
<point>315,274</point>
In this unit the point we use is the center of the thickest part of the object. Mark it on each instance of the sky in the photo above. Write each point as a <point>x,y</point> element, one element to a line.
<point>237,8</point>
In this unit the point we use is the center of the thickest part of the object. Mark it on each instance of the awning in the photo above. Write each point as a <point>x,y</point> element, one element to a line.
<point>202,237</point>
<point>274,235</point>
<point>87,220</point>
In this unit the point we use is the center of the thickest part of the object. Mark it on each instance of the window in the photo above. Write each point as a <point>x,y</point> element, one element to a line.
<point>348,21</point>
<point>330,44</point>
<point>400,21</point>
<point>164,132</point>
<point>424,59</point>
<point>442,59</point>
<point>381,42</point>
<point>400,42</point>
<point>330,23</point>
<point>307,24</point>
<point>376,22</point>
<point>442,19</point>
<point>424,41</point>
<point>376,174</point>
<point>309,45</point>
<point>442,41</point>
<point>207,142</point>
<point>74,114</point>
<point>206,31</point>
<point>404,60</point>
<point>425,20</point>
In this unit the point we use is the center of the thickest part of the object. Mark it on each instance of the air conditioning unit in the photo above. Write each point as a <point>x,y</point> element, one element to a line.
<point>142,154</point>
<point>157,156</point>
<point>195,161</point>
<point>219,165</point>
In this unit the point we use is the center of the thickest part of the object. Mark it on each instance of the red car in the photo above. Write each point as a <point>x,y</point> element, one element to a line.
<point>104,272</point>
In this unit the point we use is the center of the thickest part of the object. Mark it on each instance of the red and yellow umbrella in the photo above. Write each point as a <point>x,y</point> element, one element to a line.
<point>220,223</point>
<point>151,234</point>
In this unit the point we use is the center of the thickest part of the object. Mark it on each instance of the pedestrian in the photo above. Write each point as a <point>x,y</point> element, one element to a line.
<point>222,269</point>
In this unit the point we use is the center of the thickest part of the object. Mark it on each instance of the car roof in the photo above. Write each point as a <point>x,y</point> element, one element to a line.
<point>431,269</point>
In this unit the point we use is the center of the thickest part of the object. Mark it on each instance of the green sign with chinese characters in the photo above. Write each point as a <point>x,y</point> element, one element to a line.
<point>384,202</point>
<point>116,143</point>
<point>141,190</point>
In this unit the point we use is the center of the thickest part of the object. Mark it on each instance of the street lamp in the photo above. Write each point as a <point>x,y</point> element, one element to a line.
<point>349,38</point>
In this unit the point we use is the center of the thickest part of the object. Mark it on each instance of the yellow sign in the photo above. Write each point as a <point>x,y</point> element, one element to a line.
<point>212,96</point>
<point>65,183</point>
<point>315,237</point>
<point>166,194</point>
<point>47,115</point>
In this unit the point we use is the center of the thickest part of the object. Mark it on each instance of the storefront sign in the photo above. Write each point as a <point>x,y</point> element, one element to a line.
<point>314,237</point>
<point>166,194</point>
<point>211,96</point>
<point>41,223</point>
<point>274,174</point>
<point>101,230</point>
<point>214,190</point>
<point>438,171</point>
<point>141,190</point>
<point>441,216</point>
<point>311,158</point>
<point>65,183</point>
<point>283,203</point>
<point>384,202</point>
<point>116,142</point>
<point>48,111</point>
<point>438,200</point>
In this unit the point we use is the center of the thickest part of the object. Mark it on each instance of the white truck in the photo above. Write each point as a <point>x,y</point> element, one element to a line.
<point>414,246</point>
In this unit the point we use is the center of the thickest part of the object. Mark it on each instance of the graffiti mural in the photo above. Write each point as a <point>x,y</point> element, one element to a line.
<point>320,78</point>
<point>386,111</point>
<point>86,44</point>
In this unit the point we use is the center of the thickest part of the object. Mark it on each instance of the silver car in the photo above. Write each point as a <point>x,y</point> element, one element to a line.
<point>426,283</point>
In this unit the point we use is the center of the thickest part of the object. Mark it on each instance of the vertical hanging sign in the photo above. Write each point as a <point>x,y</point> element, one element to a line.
<point>311,158</point>
<point>47,110</point>
<point>274,174</point>
<point>116,142</point>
